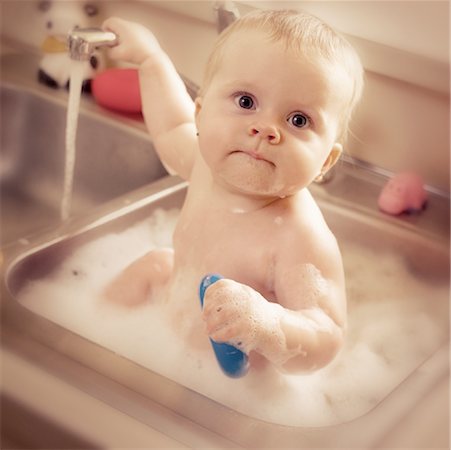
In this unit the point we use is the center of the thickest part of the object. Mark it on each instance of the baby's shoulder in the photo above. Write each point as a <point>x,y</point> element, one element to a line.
<point>307,239</point>
<point>306,226</point>
<point>303,212</point>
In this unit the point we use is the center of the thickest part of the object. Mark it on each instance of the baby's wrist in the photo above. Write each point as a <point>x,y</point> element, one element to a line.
<point>270,339</point>
<point>152,60</point>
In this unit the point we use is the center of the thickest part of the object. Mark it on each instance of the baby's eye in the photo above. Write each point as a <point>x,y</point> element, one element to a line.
<point>299,120</point>
<point>245,101</point>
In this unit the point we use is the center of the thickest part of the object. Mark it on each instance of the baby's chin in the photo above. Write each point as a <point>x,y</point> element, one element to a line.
<point>258,179</point>
<point>256,188</point>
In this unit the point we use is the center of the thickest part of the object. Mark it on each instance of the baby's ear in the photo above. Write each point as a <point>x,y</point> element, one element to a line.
<point>198,107</point>
<point>334,156</point>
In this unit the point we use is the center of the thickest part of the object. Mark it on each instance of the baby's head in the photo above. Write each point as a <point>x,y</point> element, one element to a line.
<point>310,38</point>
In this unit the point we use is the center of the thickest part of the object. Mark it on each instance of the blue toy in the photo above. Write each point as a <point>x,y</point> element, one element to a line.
<point>233,362</point>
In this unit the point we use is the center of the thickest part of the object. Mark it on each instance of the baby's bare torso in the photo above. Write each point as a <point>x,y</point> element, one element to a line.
<point>234,243</point>
<point>216,236</point>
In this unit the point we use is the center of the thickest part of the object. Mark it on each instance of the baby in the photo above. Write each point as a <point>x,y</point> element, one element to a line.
<point>271,117</point>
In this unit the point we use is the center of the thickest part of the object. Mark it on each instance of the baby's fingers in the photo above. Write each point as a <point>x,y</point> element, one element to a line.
<point>216,296</point>
<point>213,309</point>
<point>136,42</point>
<point>224,332</point>
<point>114,24</point>
<point>217,318</point>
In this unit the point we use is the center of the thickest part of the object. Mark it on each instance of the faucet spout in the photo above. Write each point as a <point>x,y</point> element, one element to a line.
<point>83,41</point>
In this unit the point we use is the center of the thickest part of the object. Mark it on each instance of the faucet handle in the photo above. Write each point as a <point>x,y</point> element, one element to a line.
<point>83,41</point>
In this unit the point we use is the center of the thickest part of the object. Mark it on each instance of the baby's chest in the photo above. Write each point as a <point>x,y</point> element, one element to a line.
<point>237,247</point>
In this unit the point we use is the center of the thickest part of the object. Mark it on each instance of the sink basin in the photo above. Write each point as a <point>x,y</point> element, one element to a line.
<point>398,288</point>
<point>114,154</point>
<point>33,155</point>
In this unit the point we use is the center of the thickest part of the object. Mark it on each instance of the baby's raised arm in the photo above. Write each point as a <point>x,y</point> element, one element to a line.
<point>167,107</point>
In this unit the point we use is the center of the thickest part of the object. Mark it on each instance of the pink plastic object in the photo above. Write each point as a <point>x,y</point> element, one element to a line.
<point>118,89</point>
<point>404,192</point>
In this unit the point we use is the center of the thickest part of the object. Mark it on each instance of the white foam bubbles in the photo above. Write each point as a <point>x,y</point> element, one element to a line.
<point>390,333</point>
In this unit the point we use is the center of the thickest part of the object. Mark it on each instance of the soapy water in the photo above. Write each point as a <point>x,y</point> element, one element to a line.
<point>390,332</point>
<point>73,107</point>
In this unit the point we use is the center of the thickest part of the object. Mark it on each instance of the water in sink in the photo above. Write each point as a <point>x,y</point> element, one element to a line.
<point>397,318</point>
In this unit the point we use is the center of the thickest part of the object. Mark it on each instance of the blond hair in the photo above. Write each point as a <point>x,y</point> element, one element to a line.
<point>303,33</point>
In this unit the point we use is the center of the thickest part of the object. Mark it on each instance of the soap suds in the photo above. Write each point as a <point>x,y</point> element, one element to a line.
<point>392,329</point>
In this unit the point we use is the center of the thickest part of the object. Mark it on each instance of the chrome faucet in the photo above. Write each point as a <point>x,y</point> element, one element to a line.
<point>83,41</point>
<point>226,13</point>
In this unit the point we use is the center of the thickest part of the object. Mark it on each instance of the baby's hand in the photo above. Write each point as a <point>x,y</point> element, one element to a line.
<point>237,314</point>
<point>136,42</point>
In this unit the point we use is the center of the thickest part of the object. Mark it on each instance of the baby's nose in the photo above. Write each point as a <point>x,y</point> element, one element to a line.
<point>269,132</point>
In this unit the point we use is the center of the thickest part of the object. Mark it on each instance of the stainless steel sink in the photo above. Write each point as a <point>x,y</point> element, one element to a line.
<point>419,277</point>
<point>33,159</point>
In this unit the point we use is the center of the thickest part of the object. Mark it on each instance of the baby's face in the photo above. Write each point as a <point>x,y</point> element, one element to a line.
<point>269,118</point>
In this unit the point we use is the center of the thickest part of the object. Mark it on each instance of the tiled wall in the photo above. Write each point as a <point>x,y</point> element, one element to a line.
<point>399,125</point>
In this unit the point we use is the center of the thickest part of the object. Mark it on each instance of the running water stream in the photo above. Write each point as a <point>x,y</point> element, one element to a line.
<point>76,80</point>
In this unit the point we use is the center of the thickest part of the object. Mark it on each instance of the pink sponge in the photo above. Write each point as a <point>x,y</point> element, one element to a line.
<point>118,89</point>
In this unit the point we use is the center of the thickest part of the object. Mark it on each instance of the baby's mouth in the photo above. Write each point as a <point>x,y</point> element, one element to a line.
<point>253,155</point>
